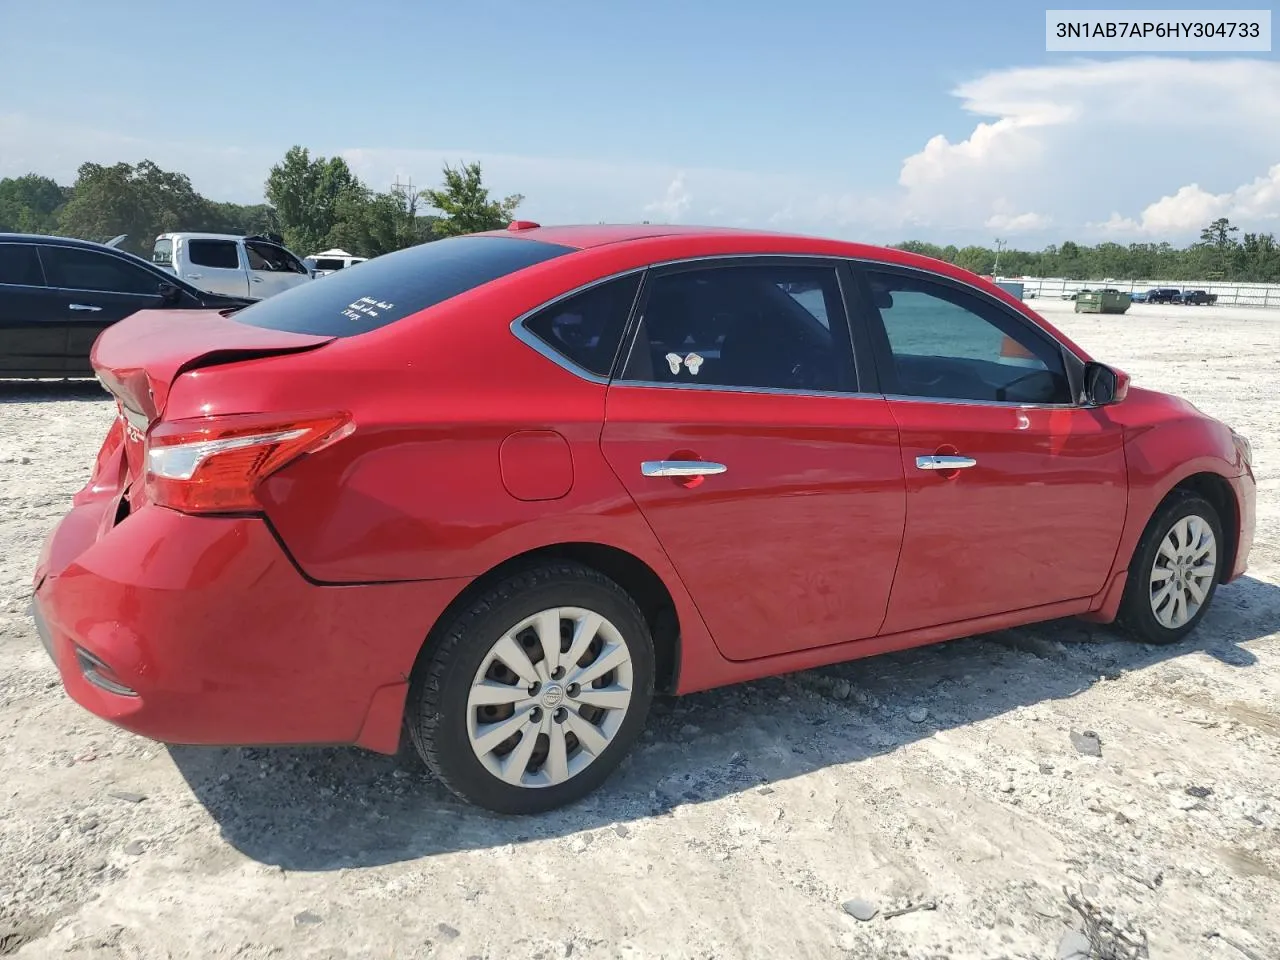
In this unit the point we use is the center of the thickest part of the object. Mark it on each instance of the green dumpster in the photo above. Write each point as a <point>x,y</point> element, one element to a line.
<point>1102,301</point>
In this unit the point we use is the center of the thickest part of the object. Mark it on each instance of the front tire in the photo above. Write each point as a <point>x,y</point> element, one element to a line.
<point>1174,573</point>
<point>533,695</point>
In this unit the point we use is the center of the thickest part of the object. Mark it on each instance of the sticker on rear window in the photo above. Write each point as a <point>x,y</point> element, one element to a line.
<point>366,307</point>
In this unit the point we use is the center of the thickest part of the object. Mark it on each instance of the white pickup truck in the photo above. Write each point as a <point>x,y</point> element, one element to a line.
<point>234,266</point>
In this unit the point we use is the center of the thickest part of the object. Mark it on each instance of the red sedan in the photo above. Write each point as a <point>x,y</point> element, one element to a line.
<point>500,489</point>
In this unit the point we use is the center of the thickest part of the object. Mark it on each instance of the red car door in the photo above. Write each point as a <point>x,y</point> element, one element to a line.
<point>775,488</point>
<point>1015,495</point>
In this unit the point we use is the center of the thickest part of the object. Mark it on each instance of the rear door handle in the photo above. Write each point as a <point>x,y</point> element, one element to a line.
<point>681,468</point>
<point>193,276</point>
<point>85,306</point>
<point>945,463</point>
<point>256,279</point>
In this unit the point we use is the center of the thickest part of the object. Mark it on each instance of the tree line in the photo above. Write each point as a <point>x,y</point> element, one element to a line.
<point>311,203</point>
<point>315,202</point>
<point>1219,254</point>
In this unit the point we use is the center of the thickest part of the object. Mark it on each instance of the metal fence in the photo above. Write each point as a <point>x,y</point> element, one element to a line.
<point>1229,294</point>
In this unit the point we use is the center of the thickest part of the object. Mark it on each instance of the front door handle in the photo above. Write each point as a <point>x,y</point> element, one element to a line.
<point>85,306</point>
<point>681,468</point>
<point>945,463</point>
<point>255,279</point>
<point>193,276</point>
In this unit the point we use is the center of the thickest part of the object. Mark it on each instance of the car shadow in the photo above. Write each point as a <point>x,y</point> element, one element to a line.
<point>34,391</point>
<point>325,809</point>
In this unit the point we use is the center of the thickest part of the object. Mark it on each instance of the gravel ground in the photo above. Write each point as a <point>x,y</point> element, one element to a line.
<point>758,821</point>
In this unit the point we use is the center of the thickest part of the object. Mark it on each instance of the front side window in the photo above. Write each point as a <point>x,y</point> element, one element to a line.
<point>219,254</point>
<point>763,327</point>
<point>587,327</point>
<point>949,344</point>
<point>73,268</point>
<point>20,264</point>
<point>269,257</point>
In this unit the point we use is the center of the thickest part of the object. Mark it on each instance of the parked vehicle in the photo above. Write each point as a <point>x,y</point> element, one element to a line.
<point>1164,295</point>
<point>1139,296</point>
<point>393,498</point>
<point>58,294</point>
<point>325,263</point>
<point>253,267</point>
<point>1198,297</point>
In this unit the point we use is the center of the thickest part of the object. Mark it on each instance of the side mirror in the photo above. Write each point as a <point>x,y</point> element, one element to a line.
<point>169,292</point>
<point>1104,385</point>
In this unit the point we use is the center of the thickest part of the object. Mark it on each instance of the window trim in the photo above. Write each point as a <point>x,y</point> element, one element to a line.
<point>158,275</point>
<point>845,336</point>
<point>1073,366</point>
<point>865,331</point>
<point>531,339</point>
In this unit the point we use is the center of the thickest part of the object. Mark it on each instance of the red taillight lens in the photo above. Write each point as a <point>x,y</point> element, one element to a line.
<point>214,464</point>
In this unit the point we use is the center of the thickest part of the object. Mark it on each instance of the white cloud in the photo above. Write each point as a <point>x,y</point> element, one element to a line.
<point>1017,222</point>
<point>1068,140</point>
<point>1064,147</point>
<point>676,202</point>
<point>1191,207</point>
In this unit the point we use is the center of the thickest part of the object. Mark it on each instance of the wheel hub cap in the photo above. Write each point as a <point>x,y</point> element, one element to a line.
<point>1183,571</point>
<point>552,696</point>
<point>549,697</point>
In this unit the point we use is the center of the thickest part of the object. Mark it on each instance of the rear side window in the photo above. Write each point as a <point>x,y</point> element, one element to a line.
<point>20,264</point>
<point>391,287</point>
<point>330,264</point>
<point>760,327</point>
<point>587,327</point>
<point>219,254</point>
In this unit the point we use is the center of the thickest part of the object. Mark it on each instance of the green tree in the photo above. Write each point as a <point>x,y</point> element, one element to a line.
<point>140,201</point>
<point>464,202</point>
<point>1219,248</point>
<point>310,196</point>
<point>30,204</point>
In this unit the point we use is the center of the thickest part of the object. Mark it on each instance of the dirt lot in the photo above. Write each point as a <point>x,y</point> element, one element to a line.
<point>944,779</point>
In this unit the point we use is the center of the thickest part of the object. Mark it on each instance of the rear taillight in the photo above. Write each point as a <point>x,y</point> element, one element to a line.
<point>214,464</point>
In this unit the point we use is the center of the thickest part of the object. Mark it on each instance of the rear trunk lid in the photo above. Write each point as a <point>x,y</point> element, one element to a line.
<point>139,358</point>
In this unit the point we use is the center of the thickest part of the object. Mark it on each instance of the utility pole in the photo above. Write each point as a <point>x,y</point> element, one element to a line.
<point>1000,245</point>
<point>408,206</point>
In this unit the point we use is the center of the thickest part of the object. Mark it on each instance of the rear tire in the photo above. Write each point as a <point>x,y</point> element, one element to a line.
<point>533,695</point>
<point>1174,573</point>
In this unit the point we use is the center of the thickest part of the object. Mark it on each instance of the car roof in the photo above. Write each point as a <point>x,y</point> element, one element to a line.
<point>584,236</point>
<point>56,241</point>
<point>197,235</point>
<point>672,240</point>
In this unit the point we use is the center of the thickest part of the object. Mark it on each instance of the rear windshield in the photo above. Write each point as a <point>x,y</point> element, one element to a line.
<point>391,287</point>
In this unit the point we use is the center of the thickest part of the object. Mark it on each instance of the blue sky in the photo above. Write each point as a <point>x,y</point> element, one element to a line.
<point>883,122</point>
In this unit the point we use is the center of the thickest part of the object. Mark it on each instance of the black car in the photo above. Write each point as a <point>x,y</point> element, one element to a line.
<point>1164,295</point>
<point>1198,297</point>
<point>58,294</point>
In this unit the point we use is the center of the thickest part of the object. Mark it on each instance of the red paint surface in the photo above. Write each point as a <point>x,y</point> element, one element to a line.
<point>821,542</point>
<point>536,465</point>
